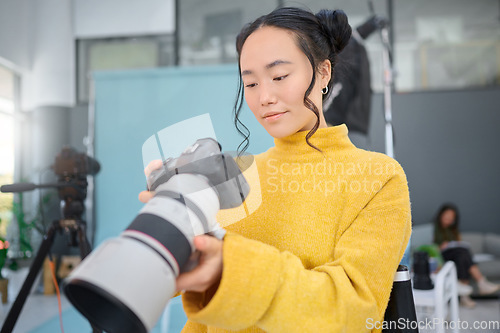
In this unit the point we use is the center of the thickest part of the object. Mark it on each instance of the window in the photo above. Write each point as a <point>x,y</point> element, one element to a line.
<point>120,53</point>
<point>7,97</point>
<point>446,44</point>
<point>208,29</point>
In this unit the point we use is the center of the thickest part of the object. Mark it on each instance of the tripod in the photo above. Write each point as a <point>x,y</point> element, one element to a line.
<point>72,168</point>
<point>76,228</point>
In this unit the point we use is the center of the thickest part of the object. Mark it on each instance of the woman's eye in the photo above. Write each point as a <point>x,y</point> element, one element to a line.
<point>250,85</point>
<point>279,78</point>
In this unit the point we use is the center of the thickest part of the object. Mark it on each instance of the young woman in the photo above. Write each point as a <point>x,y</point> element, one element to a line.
<point>321,251</point>
<point>447,236</point>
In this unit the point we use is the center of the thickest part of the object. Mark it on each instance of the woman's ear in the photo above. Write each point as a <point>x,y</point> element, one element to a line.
<point>325,72</point>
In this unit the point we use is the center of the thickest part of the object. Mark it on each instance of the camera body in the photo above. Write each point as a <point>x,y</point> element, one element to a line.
<point>72,169</point>
<point>70,163</point>
<point>204,158</point>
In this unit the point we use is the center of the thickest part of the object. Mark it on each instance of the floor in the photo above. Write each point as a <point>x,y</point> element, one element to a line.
<point>37,310</point>
<point>486,311</point>
<point>40,309</point>
<point>486,315</point>
<point>40,312</point>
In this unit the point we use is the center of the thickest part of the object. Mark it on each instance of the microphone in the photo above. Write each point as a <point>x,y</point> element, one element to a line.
<point>23,187</point>
<point>20,187</point>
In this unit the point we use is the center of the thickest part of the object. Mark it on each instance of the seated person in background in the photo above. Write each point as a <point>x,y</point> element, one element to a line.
<point>447,236</point>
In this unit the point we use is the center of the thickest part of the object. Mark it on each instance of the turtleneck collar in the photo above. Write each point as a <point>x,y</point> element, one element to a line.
<point>326,139</point>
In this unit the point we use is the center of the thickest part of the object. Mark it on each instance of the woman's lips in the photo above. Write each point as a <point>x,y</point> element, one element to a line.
<point>274,116</point>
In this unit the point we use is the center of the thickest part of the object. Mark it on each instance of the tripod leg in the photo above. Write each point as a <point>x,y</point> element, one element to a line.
<point>82,240</point>
<point>16,308</point>
<point>84,251</point>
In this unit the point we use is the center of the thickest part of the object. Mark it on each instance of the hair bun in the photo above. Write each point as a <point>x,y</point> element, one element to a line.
<point>336,27</point>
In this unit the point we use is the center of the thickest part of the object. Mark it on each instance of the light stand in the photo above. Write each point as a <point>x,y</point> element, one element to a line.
<point>388,80</point>
<point>382,26</point>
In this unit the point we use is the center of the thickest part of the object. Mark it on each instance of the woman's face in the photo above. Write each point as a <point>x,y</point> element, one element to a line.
<point>448,218</point>
<point>276,75</point>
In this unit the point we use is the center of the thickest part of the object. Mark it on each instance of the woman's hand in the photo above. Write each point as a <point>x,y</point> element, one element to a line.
<point>209,270</point>
<point>145,196</point>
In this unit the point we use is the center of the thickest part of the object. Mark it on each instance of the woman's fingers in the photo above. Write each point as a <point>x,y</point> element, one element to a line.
<point>192,281</point>
<point>208,271</point>
<point>145,196</point>
<point>153,165</point>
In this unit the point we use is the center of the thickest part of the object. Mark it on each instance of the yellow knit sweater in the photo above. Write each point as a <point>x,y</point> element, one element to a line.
<point>320,251</point>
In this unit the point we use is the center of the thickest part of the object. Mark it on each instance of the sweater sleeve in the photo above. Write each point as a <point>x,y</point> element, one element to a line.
<point>261,286</point>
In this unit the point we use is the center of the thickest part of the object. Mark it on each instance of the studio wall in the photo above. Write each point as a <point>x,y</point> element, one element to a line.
<point>447,143</point>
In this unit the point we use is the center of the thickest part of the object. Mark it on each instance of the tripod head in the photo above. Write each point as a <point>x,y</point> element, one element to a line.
<point>72,169</point>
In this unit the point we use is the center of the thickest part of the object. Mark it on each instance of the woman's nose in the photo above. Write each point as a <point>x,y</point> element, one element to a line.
<point>267,95</point>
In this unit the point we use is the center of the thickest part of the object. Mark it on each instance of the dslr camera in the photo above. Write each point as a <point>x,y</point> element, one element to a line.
<point>124,285</point>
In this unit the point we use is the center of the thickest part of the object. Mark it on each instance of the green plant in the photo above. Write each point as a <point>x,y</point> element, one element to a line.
<point>6,201</point>
<point>25,247</point>
<point>26,226</point>
<point>4,247</point>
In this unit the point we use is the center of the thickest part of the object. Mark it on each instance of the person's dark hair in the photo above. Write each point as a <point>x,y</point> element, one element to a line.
<point>320,37</point>
<point>438,228</point>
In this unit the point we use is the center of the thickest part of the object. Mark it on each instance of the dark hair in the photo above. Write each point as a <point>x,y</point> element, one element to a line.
<point>438,228</point>
<point>320,37</point>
